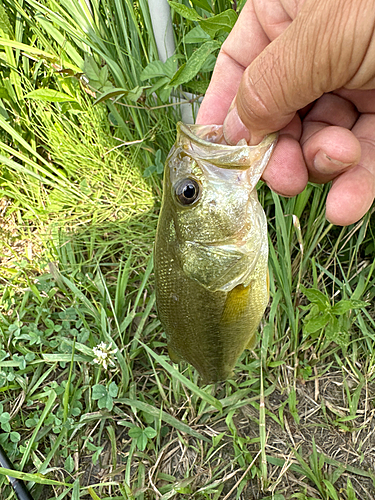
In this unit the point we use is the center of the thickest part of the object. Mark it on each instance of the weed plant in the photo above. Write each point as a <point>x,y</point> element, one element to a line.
<point>90,404</point>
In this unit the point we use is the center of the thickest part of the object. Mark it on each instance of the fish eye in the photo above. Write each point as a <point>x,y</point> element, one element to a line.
<point>187,191</point>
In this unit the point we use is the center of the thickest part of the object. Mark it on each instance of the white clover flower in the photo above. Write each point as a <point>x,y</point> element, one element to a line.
<point>103,355</point>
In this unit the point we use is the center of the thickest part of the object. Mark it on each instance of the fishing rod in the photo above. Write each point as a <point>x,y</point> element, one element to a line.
<point>22,493</point>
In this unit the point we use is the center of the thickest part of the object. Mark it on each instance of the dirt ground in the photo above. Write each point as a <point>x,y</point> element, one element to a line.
<point>348,446</point>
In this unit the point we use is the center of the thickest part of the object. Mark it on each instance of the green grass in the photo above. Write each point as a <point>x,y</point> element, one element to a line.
<point>90,404</point>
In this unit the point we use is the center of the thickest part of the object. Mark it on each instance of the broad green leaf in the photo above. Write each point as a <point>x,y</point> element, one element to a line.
<point>333,329</point>
<point>196,35</point>
<point>316,297</point>
<point>222,22</point>
<point>4,417</point>
<point>135,432</point>
<point>315,324</point>
<point>112,389</point>
<point>176,77</point>
<point>105,402</point>
<point>209,64</point>
<point>157,69</point>
<point>149,171</point>
<point>170,65</point>
<point>346,305</point>
<point>142,442</point>
<point>103,75</point>
<point>69,464</point>
<point>14,436</point>
<point>150,432</point>
<point>98,391</point>
<point>6,427</point>
<point>142,436</point>
<point>164,94</point>
<point>154,69</point>
<point>159,168</point>
<point>199,87</point>
<point>313,310</point>
<point>184,11</point>
<point>189,70</point>
<point>336,332</point>
<point>133,94</point>
<point>50,95</point>
<point>91,68</point>
<point>203,4</point>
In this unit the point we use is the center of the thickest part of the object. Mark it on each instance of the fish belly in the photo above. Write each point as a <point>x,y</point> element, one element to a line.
<point>208,329</point>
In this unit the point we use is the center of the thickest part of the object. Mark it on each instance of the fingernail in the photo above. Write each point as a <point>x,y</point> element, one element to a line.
<point>232,104</point>
<point>327,165</point>
<point>234,130</point>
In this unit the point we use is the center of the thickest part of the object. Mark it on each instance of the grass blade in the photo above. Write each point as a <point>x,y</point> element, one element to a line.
<point>168,419</point>
<point>211,400</point>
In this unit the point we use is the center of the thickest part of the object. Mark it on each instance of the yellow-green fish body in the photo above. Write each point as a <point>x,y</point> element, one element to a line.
<point>211,249</point>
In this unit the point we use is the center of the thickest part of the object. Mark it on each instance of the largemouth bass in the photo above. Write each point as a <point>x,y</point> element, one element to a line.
<point>211,249</point>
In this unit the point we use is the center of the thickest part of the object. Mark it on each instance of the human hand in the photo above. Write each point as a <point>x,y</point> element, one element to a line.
<point>306,68</point>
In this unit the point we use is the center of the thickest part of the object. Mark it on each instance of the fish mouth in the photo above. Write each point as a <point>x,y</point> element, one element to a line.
<point>199,139</point>
<point>219,267</point>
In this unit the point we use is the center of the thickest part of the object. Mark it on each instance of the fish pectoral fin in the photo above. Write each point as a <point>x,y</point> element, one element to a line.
<point>236,304</point>
<point>174,357</point>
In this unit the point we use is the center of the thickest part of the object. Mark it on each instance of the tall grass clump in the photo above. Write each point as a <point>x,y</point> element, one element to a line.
<point>111,46</point>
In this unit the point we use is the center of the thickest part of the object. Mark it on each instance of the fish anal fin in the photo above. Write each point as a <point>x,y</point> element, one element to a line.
<point>175,358</point>
<point>250,345</point>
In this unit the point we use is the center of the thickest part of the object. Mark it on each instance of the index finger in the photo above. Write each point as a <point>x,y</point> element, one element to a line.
<point>244,43</point>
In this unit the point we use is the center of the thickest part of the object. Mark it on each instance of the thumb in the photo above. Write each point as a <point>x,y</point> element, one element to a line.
<point>320,51</point>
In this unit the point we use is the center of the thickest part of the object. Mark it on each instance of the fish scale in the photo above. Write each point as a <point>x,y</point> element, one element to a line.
<point>211,249</point>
